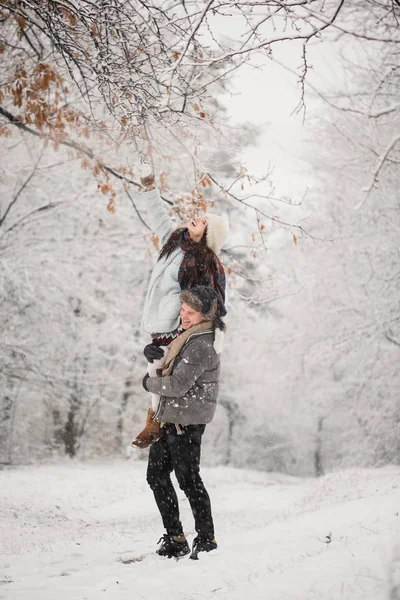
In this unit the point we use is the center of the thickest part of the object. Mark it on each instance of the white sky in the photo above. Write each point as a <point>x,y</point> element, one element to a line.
<point>268,97</point>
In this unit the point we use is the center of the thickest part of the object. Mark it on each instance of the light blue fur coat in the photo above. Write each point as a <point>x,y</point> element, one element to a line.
<point>162,305</point>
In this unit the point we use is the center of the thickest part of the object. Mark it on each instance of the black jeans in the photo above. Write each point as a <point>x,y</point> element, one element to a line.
<point>179,453</point>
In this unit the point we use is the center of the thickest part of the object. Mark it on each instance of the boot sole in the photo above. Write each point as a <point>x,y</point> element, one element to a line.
<point>173,555</point>
<point>195,555</point>
<point>180,557</point>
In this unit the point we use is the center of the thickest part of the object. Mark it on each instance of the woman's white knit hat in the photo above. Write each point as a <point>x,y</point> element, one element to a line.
<point>217,231</point>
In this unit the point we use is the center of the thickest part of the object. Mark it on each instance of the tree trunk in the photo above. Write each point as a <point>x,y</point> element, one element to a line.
<point>318,461</point>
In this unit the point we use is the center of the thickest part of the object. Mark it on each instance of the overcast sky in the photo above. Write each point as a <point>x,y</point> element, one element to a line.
<point>268,97</point>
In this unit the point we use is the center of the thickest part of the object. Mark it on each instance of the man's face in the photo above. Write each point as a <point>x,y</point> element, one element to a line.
<point>190,317</point>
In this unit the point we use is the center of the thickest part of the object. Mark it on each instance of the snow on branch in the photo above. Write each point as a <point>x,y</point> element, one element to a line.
<point>381,162</point>
<point>153,55</point>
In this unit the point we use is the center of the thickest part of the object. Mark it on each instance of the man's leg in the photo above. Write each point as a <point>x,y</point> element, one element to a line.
<point>159,471</point>
<point>185,451</point>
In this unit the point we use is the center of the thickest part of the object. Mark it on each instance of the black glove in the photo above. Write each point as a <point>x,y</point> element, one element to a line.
<point>153,352</point>
<point>144,382</point>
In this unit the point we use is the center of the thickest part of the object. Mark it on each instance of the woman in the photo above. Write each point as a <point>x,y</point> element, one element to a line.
<point>187,258</point>
<point>188,387</point>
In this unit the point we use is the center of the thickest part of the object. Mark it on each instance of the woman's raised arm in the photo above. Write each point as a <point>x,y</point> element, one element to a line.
<point>159,220</point>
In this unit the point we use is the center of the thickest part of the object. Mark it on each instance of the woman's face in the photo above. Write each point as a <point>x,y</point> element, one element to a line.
<point>196,228</point>
<point>190,317</point>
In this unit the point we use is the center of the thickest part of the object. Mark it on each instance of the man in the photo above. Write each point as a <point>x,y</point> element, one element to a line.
<point>188,389</point>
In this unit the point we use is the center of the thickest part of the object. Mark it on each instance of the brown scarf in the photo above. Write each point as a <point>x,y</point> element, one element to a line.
<point>177,344</point>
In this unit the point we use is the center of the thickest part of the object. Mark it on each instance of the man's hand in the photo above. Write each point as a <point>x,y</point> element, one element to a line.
<point>153,352</point>
<point>144,382</point>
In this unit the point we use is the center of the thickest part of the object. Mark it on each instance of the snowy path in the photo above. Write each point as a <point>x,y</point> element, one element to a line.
<point>89,531</point>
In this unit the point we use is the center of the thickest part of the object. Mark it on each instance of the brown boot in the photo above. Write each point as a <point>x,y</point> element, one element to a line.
<point>151,433</point>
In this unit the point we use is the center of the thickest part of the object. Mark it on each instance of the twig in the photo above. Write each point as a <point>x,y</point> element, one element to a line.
<point>136,210</point>
<point>21,189</point>
<point>380,164</point>
<point>70,144</point>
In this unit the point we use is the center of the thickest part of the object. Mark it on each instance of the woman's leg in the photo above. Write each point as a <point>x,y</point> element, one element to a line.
<point>159,471</point>
<point>152,371</point>
<point>185,452</point>
<point>151,431</point>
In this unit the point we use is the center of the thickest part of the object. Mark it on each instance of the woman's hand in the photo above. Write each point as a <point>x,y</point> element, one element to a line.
<point>148,182</point>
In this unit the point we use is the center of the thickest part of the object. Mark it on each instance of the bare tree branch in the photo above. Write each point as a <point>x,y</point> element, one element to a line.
<point>19,192</point>
<point>390,338</point>
<point>379,166</point>
<point>69,144</point>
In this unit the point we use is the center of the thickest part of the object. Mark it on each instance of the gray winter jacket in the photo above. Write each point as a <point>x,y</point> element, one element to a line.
<point>189,394</point>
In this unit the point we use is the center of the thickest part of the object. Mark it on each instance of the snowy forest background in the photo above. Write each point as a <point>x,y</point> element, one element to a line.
<point>310,379</point>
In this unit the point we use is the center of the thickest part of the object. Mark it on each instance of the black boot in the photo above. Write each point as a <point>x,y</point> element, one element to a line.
<point>173,546</point>
<point>202,544</point>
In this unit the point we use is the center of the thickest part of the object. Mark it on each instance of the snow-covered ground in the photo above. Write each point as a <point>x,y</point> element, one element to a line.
<point>89,531</point>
